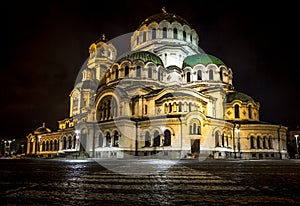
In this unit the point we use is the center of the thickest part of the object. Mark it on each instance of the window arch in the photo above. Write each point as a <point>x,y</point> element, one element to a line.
<point>64,146</point>
<point>184,35</point>
<point>69,142</point>
<point>236,111</point>
<point>116,139</point>
<point>153,33</point>
<point>47,146</point>
<point>170,107</point>
<point>188,77</point>
<point>156,139</point>
<point>165,32</point>
<point>108,139</point>
<point>199,75</point>
<point>258,142</point>
<point>116,73</point>
<point>147,139</point>
<point>211,74</point>
<point>264,142</point>
<point>175,33</point>
<point>252,140</point>
<point>43,146</point>
<point>55,145</point>
<point>138,71</point>
<point>217,136</point>
<point>126,71</point>
<point>167,138</point>
<point>270,143</point>
<point>150,72</point>
<point>180,107</point>
<point>100,140</point>
<point>107,108</point>
<point>144,36</point>
<point>221,74</point>
<point>250,111</point>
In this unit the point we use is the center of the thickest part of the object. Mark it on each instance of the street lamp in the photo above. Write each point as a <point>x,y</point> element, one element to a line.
<point>297,145</point>
<point>9,142</point>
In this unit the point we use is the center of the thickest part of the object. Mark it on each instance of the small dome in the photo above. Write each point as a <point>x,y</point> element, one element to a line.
<point>144,56</point>
<point>204,59</point>
<point>42,130</point>
<point>238,96</point>
<point>170,17</point>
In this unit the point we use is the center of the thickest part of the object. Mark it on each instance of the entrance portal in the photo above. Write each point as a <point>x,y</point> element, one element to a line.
<point>195,146</point>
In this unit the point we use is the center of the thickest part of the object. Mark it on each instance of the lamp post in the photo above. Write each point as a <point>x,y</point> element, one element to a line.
<point>239,142</point>
<point>9,142</point>
<point>297,145</point>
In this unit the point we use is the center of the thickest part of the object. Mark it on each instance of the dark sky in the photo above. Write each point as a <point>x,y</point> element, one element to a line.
<point>45,43</point>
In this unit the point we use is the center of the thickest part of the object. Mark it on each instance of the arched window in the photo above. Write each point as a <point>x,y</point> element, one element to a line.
<point>150,72</point>
<point>153,33</point>
<point>199,130</point>
<point>236,111</point>
<point>144,36</point>
<point>116,73</point>
<point>264,142</point>
<point>191,129</point>
<point>258,142</point>
<point>165,32</point>
<point>180,107</point>
<point>191,38</point>
<point>223,140</point>
<point>108,139</point>
<point>190,107</point>
<point>184,36</point>
<point>194,128</point>
<point>64,146</point>
<point>175,33</point>
<point>252,142</point>
<point>116,139</point>
<point>170,107</point>
<point>55,145</point>
<point>51,145</point>
<point>270,143</point>
<point>156,139</point>
<point>137,40</point>
<point>100,140</point>
<point>43,146</point>
<point>166,108</point>
<point>217,139</point>
<point>126,71</point>
<point>199,75</point>
<point>211,74</point>
<point>221,74</point>
<point>167,138</point>
<point>250,111</point>
<point>74,141</point>
<point>107,108</point>
<point>69,142</point>
<point>47,146</point>
<point>188,77</point>
<point>138,71</point>
<point>147,139</point>
<point>158,75</point>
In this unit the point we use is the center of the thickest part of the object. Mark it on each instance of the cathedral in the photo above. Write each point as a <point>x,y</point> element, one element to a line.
<point>164,98</point>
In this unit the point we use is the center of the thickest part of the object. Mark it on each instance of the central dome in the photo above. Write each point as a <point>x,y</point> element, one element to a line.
<point>170,17</point>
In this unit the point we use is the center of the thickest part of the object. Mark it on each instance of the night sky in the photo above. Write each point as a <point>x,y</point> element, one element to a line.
<point>45,43</point>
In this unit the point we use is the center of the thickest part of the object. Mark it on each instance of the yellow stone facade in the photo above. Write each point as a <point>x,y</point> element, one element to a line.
<point>164,98</point>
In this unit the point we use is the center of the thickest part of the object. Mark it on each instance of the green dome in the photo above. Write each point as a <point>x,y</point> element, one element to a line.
<point>170,17</point>
<point>204,59</point>
<point>238,96</point>
<point>144,56</point>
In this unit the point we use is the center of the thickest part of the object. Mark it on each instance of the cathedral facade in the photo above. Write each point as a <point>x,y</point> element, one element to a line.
<point>164,98</point>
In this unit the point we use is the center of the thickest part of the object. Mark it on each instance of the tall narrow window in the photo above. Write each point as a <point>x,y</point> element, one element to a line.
<point>188,77</point>
<point>199,75</point>
<point>223,140</point>
<point>147,139</point>
<point>138,71</point>
<point>137,40</point>
<point>180,107</point>
<point>184,36</point>
<point>116,73</point>
<point>190,107</point>
<point>221,75</point>
<point>170,107</point>
<point>100,140</point>
<point>191,129</point>
<point>194,128</point>
<point>211,74</point>
<point>258,142</point>
<point>270,142</point>
<point>264,142</point>
<point>191,38</point>
<point>146,109</point>
<point>217,139</point>
<point>126,71</point>
<point>175,33</point>
<point>199,130</point>
<point>164,32</point>
<point>236,111</point>
<point>116,139</point>
<point>252,142</point>
<point>158,75</point>
<point>156,140</point>
<point>154,33</point>
<point>150,72</point>
<point>250,111</point>
<point>144,36</point>
<point>108,139</point>
<point>167,138</point>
